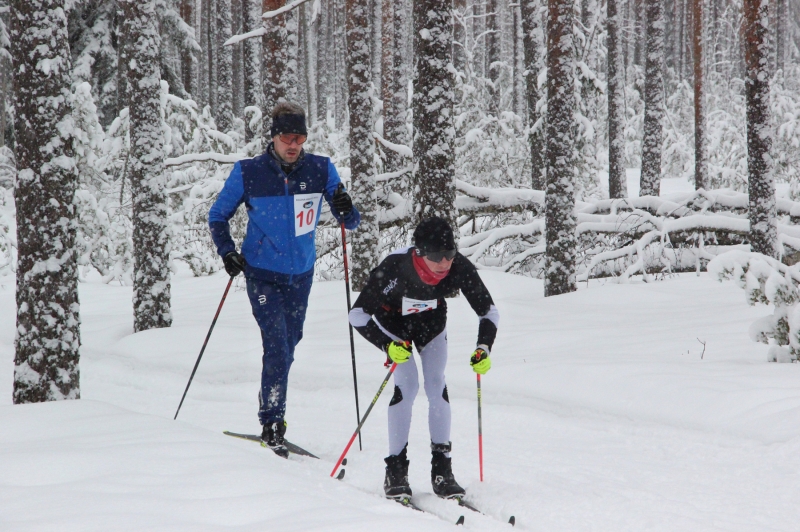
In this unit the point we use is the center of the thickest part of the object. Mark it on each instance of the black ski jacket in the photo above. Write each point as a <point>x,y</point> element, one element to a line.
<point>396,298</point>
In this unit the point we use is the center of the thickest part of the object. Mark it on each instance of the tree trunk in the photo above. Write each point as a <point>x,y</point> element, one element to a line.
<point>387,81</point>
<point>434,142</point>
<point>48,320</point>
<point>224,89</point>
<point>273,66</point>
<point>560,223</point>
<point>323,31</point>
<point>394,125</point>
<point>532,43</point>
<point>700,159</point>
<point>237,10</point>
<point>340,67</point>
<point>251,20</point>
<point>290,51</point>
<point>213,57</point>
<point>310,34</point>
<point>203,61</point>
<point>653,100</point>
<point>362,145</point>
<point>617,182</point>
<point>151,243</point>
<point>493,51</point>
<point>761,179</point>
<point>459,35</point>
<point>188,61</point>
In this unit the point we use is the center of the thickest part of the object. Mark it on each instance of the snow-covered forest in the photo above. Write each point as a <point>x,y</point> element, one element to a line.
<point>618,154</point>
<point>678,110</point>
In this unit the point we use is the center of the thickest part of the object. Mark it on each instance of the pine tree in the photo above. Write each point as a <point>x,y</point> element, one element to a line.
<point>653,100</point>
<point>434,132</point>
<point>761,178</point>
<point>362,145</point>
<point>560,220</point>
<point>273,65</point>
<point>224,111</point>
<point>151,243</point>
<point>48,320</point>
<point>251,20</point>
<point>532,43</point>
<point>617,182</point>
<point>700,159</point>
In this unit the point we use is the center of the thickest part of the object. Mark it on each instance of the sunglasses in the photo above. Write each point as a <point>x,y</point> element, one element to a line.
<point>292,139</point>
<point>438,256</point>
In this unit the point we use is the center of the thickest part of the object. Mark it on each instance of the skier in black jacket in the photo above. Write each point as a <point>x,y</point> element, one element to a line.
<point>403,303</point>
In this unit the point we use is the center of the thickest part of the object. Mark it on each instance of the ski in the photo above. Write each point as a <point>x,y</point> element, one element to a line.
<point>468,505</point>
<point>294,449</point>
<point>406,501</point>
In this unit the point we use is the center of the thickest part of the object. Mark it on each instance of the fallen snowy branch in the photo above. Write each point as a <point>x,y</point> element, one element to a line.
<point>221,158</point>
<point>401,149</point>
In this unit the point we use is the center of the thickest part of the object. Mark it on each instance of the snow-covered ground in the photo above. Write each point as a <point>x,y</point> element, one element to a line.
<point>599,414</point>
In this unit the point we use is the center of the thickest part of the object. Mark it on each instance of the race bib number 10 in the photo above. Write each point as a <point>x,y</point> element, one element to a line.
<point>306,208</point>
<point>415,306</point>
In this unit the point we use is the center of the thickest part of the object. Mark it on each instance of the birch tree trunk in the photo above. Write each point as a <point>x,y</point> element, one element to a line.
<point>251,20</point>
<point>700,158</point>
<point>151,243</point>
<point>617,183</point>
<point>362,145</point>
<point>761,179</point>
<point>224,89</point>
<point>532,43</point>
<point>434,132</point>
<point>560,223</point>
<point>48,320</point>
<point>650,184</point>
<point>273,66</point>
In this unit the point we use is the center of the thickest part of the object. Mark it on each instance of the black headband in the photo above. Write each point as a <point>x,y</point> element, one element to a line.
<point>293,124</point>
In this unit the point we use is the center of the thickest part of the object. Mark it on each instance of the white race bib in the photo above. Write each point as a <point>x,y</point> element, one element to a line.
<point>306,208</point>
<point>415,306</point>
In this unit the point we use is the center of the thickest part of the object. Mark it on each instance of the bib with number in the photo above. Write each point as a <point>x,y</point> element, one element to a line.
<point>306,208</point>
<point>415,306</point>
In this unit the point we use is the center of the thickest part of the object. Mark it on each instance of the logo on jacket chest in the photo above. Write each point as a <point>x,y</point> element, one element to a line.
<point>302,186</point>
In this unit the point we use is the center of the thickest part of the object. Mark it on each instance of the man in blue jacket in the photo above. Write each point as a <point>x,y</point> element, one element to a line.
<point>282,191</point>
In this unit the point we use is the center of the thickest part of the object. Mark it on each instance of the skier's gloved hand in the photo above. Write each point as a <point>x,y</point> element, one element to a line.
<point>480,361</point>
<point>399,352</point>
<point>234,263</point>
<point>341,201</point>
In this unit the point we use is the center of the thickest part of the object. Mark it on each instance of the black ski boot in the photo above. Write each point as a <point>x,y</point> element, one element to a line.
<point>395,486</point>
<point>442,479</point>
<point>272,438</point>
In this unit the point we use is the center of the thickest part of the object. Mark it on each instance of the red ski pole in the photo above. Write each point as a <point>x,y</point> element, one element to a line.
<point>361,424</point>
<point>480,428</point>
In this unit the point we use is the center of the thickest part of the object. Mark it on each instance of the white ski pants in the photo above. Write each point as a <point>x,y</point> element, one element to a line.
<point>433,357</point>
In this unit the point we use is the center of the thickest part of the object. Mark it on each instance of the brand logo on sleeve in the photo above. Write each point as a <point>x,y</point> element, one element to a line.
<point>262,300</point>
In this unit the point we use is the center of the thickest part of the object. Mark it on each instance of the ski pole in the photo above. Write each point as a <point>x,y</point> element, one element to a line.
<point>480,428</point>
<point>361,424</point>
<point>204,346</point>
<point>352,345</point>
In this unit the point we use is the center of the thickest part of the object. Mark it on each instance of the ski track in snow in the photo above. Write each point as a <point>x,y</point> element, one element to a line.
<point>599,415</point>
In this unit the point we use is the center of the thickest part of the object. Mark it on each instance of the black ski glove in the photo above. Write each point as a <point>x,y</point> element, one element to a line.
<point>341,201</point>
<point>234,263</point>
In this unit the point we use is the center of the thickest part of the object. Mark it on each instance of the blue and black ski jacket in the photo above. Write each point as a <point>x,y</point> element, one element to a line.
<point>283,211</point>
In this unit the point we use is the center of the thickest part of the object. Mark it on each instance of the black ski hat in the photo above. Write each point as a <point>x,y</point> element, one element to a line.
<point>434,234</point>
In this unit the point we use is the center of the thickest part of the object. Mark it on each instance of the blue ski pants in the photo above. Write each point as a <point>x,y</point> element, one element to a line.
<point>279,310</point>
